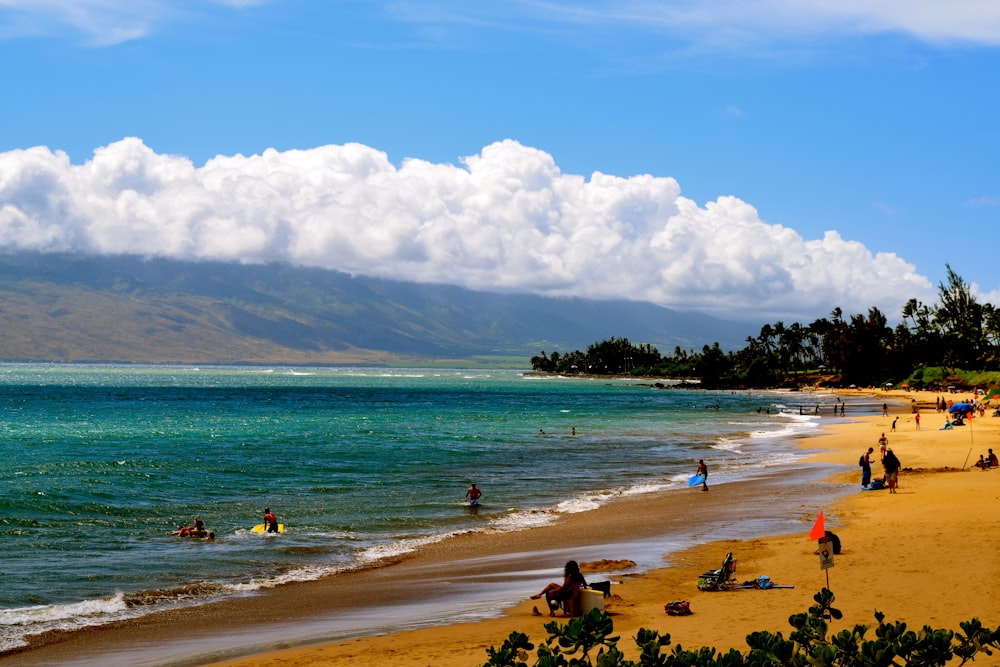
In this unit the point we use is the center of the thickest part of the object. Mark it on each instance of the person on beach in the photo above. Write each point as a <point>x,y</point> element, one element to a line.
<point>982,463</point>
<point>992,460</point>
<point>703,470</point>
<point>891,465</point>
<point>885,409</point>
<point>894,424</point>
<point>916,418</point>
<point>883,442</point>
<point>567,593</point>
<point>270,521</point>
<point>866,468</point>
<point>473,495</point>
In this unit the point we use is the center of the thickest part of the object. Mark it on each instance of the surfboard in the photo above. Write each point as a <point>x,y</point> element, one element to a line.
<point>696,480</point>
<point>260,528</point>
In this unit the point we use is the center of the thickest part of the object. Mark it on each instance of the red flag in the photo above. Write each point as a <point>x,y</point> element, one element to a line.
<point>818,529</point>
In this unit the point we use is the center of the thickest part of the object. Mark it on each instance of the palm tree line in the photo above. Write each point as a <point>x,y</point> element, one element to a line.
<point>861,349</point>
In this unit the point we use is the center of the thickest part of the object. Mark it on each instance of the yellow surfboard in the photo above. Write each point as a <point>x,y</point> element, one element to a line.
<point>260,528</point>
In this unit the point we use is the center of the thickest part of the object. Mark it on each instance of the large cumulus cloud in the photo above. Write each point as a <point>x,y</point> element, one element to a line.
<point>506,219</point>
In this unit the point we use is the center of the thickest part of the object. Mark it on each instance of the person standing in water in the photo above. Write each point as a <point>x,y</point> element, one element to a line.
<point>703,470</point>
<point>270,521</point>
<point>473,495</point>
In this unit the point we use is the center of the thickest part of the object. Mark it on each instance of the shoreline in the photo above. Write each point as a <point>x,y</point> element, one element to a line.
<point>483,571</point>
<point>916,566</point>
<point>492,570</point>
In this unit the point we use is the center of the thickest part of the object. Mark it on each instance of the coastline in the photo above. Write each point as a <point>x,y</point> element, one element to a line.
<point>695,529</point>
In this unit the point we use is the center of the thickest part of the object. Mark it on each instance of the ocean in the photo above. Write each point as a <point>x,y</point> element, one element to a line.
<point>361,464</point>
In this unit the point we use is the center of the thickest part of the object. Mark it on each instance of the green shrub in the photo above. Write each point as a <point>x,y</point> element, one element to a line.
<point>587,642</point>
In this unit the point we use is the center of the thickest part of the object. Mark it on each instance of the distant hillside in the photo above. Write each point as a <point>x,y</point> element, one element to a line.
<point>71,308</point>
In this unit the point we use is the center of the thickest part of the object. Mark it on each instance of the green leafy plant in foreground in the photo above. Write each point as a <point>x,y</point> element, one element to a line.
<point>588,642</point>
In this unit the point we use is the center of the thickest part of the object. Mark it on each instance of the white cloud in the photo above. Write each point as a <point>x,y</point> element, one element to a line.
<point>507,219</point>
<point>734,23</point>
<point>722,24</point>
<point>102,22</point>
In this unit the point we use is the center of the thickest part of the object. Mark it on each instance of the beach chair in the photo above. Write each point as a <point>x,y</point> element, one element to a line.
<point>721,579</point>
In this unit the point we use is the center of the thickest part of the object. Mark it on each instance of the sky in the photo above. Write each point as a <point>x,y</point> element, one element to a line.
<point>752,159</point>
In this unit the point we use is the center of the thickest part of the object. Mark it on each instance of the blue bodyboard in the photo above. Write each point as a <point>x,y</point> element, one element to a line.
<point>696,480</point>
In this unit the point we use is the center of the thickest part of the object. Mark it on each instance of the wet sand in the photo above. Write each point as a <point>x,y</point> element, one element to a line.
<point>920,555</point>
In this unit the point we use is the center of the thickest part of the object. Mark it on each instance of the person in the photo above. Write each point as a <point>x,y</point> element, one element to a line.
<point>885,409</point>
<point>199,528</point>
<point>992,459</point>
<point>473,495</point>
<point>183,530</point>
<point>866,468</point>
<point>703,470</point>
<point>883,442</point>
<point>982,463</point>
<point>891,465</point>
<point>567,593</point>
<point>894,424</point>
<point>270,521</point>
<point>947,425</point>
<point>916,418</point>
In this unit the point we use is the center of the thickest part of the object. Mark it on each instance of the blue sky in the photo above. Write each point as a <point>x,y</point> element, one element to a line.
<point>756,158</point>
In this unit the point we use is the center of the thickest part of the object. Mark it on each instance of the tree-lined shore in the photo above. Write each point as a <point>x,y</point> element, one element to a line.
<point>955,342</point>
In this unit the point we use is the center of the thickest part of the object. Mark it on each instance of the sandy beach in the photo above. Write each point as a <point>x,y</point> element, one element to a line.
<point>923,555</point>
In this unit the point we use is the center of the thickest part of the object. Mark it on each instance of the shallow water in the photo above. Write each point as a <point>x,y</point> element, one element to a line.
<point>102,461</point>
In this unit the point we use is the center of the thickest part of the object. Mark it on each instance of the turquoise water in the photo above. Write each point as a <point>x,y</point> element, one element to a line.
<point>102,461</point>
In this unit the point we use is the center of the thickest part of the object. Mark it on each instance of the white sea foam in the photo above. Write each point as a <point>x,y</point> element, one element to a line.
<point>23,622</point>
<point>522,520</point>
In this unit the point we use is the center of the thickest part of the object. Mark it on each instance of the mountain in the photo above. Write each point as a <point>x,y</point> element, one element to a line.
<point>71,308</point>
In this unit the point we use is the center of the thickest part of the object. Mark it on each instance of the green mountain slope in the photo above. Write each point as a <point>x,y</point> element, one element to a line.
<point>72,308</point>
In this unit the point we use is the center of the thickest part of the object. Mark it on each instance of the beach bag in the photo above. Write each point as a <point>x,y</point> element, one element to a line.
<point>678,608</point>
<point>764,581</point>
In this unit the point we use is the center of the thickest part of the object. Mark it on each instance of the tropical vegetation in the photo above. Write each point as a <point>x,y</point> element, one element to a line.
<point>588,642</point>
<point>932,346</point>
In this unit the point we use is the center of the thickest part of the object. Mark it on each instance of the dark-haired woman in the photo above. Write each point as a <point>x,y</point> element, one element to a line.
<point>567,593</point>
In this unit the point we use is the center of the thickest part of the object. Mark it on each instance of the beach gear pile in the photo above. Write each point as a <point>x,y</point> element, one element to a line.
<point>678,608</point>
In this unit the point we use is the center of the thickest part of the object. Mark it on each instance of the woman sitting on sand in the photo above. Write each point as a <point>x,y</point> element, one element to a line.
<point>567,593</point>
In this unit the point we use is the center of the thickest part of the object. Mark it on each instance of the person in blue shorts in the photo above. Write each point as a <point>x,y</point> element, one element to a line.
<point>473,495</point>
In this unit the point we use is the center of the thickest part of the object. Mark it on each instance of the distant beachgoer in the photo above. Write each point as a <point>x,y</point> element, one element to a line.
<point>703,470</point>
<point>982,463</point>
<point>891,465</point>
<point>866,468</point>
<point>541,432</point>
<point>183,530</point>
<point>473,495</point>
<point>992,459</point>
<point>885,409</point>
<point>199,528</point>
<point>572,431</point>
<point>894,424</point>
<point>916,418</point>
<point>270,521</point>
<point>567,593</point>
<point>883,443</point>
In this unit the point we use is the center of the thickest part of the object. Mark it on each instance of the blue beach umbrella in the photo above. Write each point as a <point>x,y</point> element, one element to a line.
<point>964,408</point>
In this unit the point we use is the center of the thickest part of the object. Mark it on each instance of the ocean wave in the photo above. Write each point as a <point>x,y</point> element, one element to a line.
<point>21,623</point>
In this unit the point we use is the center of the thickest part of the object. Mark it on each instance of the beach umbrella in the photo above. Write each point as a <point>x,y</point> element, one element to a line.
<point>961,407</point>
